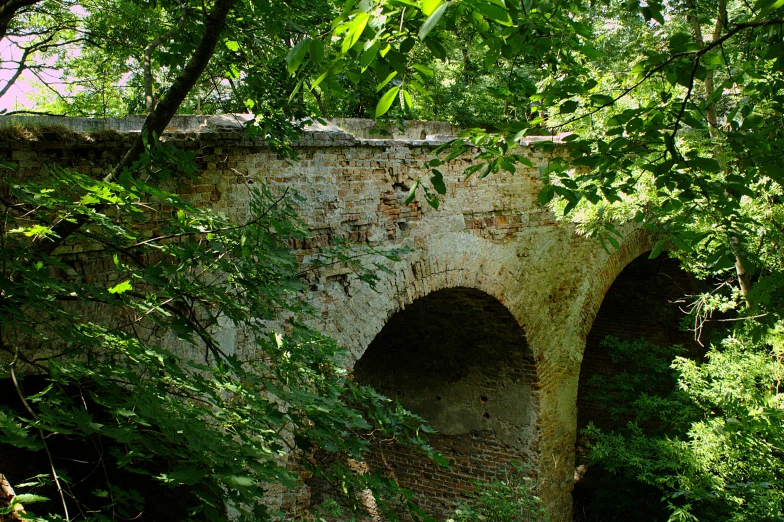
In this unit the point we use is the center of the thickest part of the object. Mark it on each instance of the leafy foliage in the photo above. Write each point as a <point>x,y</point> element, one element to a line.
<point>511,498</point>
<point>129,359</point>
<point>708,435</point>
<point>671,113</point>
<point>645,392</point>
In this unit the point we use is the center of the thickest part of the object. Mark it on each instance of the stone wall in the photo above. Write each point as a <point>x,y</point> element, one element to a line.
<point>489,236</point>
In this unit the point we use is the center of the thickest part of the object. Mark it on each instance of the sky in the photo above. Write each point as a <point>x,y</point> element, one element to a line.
<point>27,86</point>
<point>16,97</point>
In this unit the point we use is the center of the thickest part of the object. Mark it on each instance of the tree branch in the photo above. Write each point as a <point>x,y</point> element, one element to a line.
<point>17,74</point>
<point>8,10</point>
<point>147,61</point>
<point>158,119</point>
<point>22,65</point>
<point>698,53</point>
<point>19,392</point>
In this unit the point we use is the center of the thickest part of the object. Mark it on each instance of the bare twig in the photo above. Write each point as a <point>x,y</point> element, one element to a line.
<point>19,392</point>
<point>215,231</point>
<point>37,113</point>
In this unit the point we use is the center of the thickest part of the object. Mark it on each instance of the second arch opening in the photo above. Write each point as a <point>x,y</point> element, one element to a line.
<point>458,358</point>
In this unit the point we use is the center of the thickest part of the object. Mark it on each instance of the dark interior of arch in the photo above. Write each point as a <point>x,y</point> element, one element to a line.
<point>643,303</point>
<point>458,358</point>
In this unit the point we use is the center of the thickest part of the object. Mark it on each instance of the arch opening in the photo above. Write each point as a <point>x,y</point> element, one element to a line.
<point>458,358</point>
<point>643,303</point>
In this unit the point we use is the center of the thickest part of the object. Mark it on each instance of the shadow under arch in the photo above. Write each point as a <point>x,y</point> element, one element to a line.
<point>458,358</point>
<point>638,243</point>
<point>644,301</point>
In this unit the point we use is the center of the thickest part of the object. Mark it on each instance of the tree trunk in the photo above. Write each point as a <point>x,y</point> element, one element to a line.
<point>7,494</point>
<point>8,9</point>
<point>159,118</point>
<point>713,125</point>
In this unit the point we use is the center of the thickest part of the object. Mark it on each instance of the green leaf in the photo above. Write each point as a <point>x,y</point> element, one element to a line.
<point>525,161</point>
<point>426,71</point>
<point>657,249</point>
<point>437,180</point>
<point>386,101</point>
<point>435,46</point>
<point>706,164</point>
<point>369,55</point>
<point>406,99</point>
<point>472,169</point>
<point>316,51</point>
<point>569,106</point>
<point>431,21</point>
<point>354,77</point>
<point>386,81</point>
<point>318,80</point>
<point>714,60</point>
<point>601,100</point>
<point>492,11</point>
<point>245,482</point>
<point>590,51</point>
<point>296,55</point>
<point>35,230</point>
<point>121,287</point>
<point>432,199</point>
<point>680,41</point>
<point>769,5</point>
<point>428,6</point>
<point>231,45</point>
<point>507,164</point>
<point>412,192</point>
<point>440,460</point>
<point>407,44</point>
<point>546,194</point>
<point>355,29</point>
<point>656,15</point>
<point>296,89</point>
<point>27,498</point>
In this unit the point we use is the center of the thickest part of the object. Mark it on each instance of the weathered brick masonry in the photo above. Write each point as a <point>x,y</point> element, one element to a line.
<point>490,242</point>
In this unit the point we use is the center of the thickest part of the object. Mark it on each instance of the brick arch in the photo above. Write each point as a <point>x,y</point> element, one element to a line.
<point>472,409</point>
<point>450,261</point>
<point>457,357</point>
<point>635,244</point>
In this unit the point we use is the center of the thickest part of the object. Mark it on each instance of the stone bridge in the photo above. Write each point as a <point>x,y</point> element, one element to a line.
<point>481,328</point>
